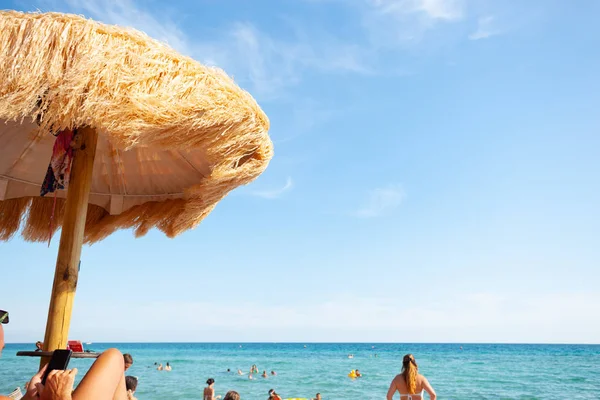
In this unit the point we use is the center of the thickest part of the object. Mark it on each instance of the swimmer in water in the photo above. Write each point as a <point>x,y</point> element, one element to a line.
<point>317,396</point>
<point>250,376</point>
<point>273,373</point>
<point>240,372</point>
<point>209,390</point>
<point>264,374</point>
<point>160,367</point>
<point>358,374</point>
<point>254,369</point>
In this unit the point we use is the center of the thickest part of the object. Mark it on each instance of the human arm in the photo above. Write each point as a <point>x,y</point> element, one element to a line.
<point>429,389</point>
<point>392,390</point>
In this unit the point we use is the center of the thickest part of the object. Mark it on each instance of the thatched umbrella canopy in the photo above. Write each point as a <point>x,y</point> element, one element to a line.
<point>173,136</point>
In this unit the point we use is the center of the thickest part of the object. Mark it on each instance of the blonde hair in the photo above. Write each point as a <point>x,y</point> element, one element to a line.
<point>410,371</point>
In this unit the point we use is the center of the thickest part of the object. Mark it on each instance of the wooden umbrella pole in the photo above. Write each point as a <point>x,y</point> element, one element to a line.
<point>71,240</point>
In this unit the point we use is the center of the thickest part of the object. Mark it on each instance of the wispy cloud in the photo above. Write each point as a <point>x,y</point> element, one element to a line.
<point>128,13</point>
<point>264,64</point>
<point>381,201</point>
<point>485,29</point>
<point>393,23</point>
<point>269,65</point>
<point>274,193</point>
<point>448,10</point>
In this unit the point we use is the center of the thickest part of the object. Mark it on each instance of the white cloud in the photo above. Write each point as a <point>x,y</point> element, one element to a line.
<point>485,29</point>
<point>381,201</point>
<point>274,193</point>
<point>448,10</point>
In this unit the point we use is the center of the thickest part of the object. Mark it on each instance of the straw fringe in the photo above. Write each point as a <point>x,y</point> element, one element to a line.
<point>37,223</point>
<point>65,71</point>
<point>11,213</point>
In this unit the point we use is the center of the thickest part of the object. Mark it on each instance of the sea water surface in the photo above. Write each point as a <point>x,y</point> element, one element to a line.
<point>478,371</point>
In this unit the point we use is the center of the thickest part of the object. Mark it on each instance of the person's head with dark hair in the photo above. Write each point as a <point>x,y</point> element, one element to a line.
<point>318,396</point>
<point>38,345</point>
<point>128,360</point>
<point>210,382</point>
<point>232,395</point>
<point>131,383</point>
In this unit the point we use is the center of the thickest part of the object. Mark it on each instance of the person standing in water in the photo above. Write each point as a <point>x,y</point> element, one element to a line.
<point>168,367</point>
<point>264,374</point>
<point>410,384</point>
<point>159,368</point>
<point>209,391</point>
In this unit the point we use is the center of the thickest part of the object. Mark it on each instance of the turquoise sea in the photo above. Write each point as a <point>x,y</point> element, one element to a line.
<point>478,371</point>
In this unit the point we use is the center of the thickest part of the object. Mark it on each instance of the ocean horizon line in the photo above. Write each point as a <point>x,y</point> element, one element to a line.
<point>330,343</point>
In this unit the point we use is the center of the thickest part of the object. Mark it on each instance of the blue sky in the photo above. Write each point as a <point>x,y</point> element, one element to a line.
<point>435,180</point>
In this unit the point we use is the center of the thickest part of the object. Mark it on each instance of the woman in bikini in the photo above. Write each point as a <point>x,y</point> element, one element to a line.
<point>209,391</point>
<point>410,384</point>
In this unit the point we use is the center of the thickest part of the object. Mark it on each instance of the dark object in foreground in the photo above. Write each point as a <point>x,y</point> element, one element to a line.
<point>49,354</point>
<point>59,361</point>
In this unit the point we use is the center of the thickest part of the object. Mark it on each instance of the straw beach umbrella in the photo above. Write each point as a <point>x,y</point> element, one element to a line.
<point>152,139</point>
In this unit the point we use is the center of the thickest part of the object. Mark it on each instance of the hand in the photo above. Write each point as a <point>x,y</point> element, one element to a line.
<point>31,391</point>
<point>59,385</point>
